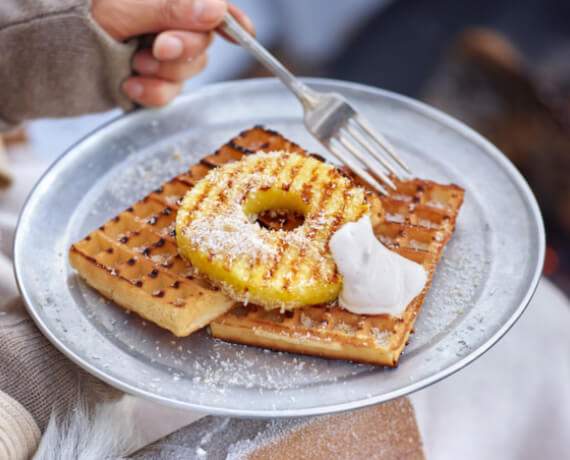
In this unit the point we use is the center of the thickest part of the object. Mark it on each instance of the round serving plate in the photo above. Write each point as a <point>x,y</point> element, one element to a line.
<point>484,281</point>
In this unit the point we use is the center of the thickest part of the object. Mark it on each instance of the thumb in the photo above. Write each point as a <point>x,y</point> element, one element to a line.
<point>123,19</point>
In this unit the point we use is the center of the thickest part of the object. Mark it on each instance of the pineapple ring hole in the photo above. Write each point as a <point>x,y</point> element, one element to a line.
<point>280,219</point>
<point>275,209</point>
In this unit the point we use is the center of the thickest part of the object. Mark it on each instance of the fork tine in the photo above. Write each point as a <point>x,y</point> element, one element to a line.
<point>345,159</point>
<point>381,140</point>
<point>354,150</point>
<point>372,150</point>
<point>324,113</point>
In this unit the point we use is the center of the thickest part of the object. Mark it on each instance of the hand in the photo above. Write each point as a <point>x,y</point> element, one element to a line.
<point>184,28</point>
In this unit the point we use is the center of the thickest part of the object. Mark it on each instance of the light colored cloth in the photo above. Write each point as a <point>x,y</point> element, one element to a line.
<point>514,401</point>
<point>37,375</point>
<point>35,378</point>
<point>19,433</point>
<point>56,61</point>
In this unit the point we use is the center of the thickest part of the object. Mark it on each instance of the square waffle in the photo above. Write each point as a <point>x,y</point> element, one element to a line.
<point>420,218</point>
<point>133,260</point>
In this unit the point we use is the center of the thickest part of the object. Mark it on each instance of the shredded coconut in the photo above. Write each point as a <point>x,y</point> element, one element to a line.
<point>215,223</point>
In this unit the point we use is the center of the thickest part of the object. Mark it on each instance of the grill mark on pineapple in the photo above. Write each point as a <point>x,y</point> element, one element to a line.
<point>310,231</point>
<point>293,270</point>
<point>226,193</point>
<point>211,190</point>
<point>281,244</point>
<point>307,193</point>
<point>221,197</point>
<point>337,221</point>
<point>275,172</point>
<point>347,188</point>
<point>206,190</point>
<point>282,169</point>
<point>345,200</point>
<point>292,175</point>
<point>244,195</point>
<point>325,204</point>
<point>284,246</point>
<point>257,168</point>
<point>231,186</point>
<point>270,272</point>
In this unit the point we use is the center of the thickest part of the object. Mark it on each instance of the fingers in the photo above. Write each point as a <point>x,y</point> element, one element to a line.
<point>175,57</point>
<point>160,81</point>
<point>151,92</point>
<point>129,18</point>
<point>185,30</point>
<point>175,71</point>
<point>179,44</point>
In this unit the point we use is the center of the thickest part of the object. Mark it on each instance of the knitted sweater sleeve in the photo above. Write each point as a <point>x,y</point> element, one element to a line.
<point>56,61</point>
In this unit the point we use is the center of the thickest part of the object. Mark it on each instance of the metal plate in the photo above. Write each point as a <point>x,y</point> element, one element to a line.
<point>485,280</point>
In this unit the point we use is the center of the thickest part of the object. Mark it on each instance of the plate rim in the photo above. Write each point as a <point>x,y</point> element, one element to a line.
<point>418,106</point>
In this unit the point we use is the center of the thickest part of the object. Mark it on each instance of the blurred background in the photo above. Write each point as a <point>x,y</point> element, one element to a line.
<point>501,66</point>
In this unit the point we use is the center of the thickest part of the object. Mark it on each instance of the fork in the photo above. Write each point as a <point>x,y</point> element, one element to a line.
<point>330,119</point>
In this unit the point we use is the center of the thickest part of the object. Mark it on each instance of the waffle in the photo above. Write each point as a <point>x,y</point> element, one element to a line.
<point>133,260</point>
<point>420,218</point>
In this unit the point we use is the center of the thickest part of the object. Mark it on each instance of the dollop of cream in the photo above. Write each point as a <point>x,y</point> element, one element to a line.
<point>375,279</point>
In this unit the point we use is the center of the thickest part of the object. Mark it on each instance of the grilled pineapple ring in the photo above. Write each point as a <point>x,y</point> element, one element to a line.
<point>217,231</point>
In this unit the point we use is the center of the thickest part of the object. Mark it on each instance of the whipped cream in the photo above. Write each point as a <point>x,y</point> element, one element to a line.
<point>375,279</point>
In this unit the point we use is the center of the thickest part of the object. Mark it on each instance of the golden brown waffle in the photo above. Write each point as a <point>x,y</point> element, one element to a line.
<point>133,260</point>
<point>420,218</point>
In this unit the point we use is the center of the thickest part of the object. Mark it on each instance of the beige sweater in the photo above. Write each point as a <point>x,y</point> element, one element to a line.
<point>55,61</point>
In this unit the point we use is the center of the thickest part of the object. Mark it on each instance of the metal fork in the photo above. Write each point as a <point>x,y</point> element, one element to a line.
<point>330,119</point>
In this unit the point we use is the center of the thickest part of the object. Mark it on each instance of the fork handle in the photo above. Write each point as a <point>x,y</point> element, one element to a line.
<point>231,27</point>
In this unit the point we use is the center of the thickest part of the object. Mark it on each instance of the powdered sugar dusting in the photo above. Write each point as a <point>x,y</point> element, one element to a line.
<point>214,222</point>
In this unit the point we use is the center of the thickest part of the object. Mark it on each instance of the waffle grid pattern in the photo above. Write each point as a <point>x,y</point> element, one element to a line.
<point>134,261</point>
<point>419,221</point>
<point>133,258</point>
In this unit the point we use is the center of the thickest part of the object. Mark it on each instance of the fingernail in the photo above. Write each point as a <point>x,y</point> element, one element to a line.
<point>145,64</point>
<point>133,89</point>
<point>168,47</point>
<point>209,12</point>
